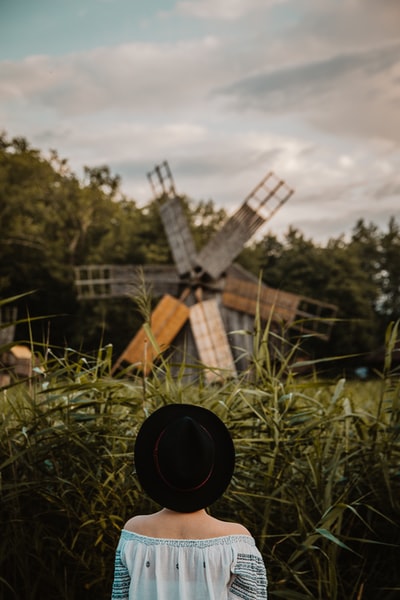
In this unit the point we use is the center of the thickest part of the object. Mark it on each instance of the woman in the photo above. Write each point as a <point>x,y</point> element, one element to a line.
<point>184,458</point>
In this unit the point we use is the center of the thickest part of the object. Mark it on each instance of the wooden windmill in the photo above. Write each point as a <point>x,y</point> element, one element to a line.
<point>207,300</point>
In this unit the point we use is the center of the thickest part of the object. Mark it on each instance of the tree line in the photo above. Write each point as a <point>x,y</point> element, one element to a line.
<point>51,221</point>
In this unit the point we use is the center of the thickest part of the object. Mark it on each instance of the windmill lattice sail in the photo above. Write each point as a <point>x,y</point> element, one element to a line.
<point>173,217</point>
<point>211,340</point>
<point>304,314</point>
<point>167,319</point>
<point>258,207</point>
<point>94,282</point>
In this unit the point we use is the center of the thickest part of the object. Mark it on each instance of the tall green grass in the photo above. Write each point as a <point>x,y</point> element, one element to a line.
<point>317,478</point>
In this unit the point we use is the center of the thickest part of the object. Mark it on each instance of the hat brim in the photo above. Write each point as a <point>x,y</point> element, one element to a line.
<point>149,477</point>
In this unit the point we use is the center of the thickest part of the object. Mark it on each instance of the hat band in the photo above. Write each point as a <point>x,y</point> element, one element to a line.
<point>168,483</point>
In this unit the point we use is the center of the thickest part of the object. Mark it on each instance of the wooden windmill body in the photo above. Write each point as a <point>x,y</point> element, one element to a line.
<point>207,300</point>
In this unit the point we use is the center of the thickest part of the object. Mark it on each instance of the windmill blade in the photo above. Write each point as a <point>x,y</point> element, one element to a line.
<point>173,217</point>
<point>166,321</point>
<point>114,281</point>
<point>304,314</point>
<point>211,340</point>
<point>258,207</point>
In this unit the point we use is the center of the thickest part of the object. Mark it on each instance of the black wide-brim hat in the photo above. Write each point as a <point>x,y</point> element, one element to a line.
<point>184,457</point>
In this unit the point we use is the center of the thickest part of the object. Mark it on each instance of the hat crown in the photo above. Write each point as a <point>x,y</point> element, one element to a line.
<point>184,454</point>
<point>184,457</point>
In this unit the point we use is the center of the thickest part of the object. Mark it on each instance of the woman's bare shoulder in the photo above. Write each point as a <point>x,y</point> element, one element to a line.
<point>230,528</point>
<point>138,524</point>
<point>167,524</point>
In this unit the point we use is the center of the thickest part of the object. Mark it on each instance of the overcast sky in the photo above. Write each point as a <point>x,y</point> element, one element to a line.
<point>225,90</point>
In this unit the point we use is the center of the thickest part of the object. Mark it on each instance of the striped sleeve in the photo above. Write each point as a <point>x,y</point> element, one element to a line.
<point>250,581</point>
<point>122,579</point>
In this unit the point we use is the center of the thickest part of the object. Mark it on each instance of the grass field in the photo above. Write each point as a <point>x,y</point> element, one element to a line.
<point>317,478</point>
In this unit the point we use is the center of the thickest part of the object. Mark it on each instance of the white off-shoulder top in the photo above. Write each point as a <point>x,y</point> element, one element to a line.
<point>221,568</point>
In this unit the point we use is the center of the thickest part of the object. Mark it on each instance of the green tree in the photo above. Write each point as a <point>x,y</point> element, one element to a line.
<point>34,243</point>
<point>49,221</point>
<point>204,220</point>
<point>335,274</point>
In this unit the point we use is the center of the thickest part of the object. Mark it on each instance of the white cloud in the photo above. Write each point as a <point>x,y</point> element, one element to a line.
<point>346,162</point>
<point>307,89</point>
<point>133,77</point>
<point>355,92</point>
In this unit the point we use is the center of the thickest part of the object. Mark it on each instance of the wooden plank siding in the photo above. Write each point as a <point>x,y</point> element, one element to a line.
<point>167,319</point>
<point>211,340</point>
<point>8,321</point>
<point>239,327</point>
